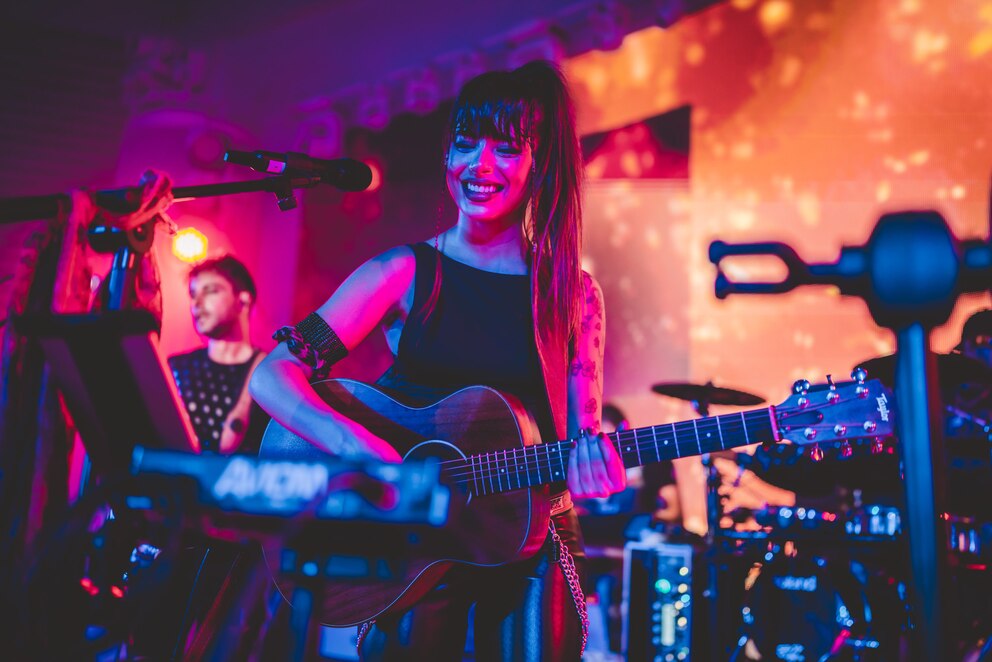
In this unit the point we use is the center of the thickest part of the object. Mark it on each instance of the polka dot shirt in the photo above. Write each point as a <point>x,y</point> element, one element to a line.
<point>210,391</point>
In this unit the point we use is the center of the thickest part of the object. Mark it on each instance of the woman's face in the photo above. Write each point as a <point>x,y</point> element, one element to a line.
<point>489,178</point>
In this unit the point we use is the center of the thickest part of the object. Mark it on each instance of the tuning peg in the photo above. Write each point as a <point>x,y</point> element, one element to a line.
<point>830,381</point>
<point>845,449</point>
<point>810,434</point>
<point>801,386</point>
<point>870,426</point>
<point>859,375</point>
<point>840,430</point>
<point>877,446</point>
<point>816,453</point>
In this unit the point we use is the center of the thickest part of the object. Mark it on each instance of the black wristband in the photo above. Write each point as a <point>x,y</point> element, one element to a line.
<point>314,342</point>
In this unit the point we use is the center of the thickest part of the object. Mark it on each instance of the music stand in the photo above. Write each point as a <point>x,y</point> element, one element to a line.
<point>116,385</point>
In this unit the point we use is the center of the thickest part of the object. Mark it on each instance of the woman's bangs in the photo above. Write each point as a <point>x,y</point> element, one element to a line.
<point>502,119</point>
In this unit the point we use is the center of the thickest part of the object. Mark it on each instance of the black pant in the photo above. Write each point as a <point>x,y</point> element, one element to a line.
<point>524,611</point>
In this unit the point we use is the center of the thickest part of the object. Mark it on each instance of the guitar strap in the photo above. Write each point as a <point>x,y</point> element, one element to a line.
<point>552,349</point>
<point>553,352</point>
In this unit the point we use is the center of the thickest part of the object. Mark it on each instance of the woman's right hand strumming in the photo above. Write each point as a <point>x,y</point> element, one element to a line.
<point>281,386</point>
<point>360,443</point>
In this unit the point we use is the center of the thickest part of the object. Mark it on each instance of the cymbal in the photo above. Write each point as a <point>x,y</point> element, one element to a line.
<point>708,393</point>
<point>954,370</point>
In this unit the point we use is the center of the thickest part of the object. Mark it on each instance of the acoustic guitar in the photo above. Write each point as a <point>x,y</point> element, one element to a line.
<point>499,471</point>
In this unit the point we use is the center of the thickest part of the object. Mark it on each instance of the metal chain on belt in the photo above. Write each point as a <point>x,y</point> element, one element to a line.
<point>363,630</point>
<point>567,564</point>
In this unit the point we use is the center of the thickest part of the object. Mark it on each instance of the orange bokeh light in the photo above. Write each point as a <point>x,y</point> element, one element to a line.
<point>189,245</point>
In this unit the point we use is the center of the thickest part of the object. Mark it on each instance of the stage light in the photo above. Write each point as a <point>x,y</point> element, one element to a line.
<point>189,245</point>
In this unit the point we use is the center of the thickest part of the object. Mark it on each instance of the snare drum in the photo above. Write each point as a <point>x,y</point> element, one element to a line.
<point>805,607</point>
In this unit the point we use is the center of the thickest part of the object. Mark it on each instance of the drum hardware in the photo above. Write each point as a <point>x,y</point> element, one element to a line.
<point>703,395</point>
<point>802,606</point>
<point>769,456</point>
<point>872,522</point>
<point>974,422</point>
<point>869,524</point>
<point>970,541</point>
<point>954,370</point>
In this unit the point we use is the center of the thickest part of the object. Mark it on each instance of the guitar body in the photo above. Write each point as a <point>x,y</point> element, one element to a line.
<point>488,530</point>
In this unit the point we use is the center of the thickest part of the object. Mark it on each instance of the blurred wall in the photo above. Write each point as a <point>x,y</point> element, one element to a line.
<point>809,120</point>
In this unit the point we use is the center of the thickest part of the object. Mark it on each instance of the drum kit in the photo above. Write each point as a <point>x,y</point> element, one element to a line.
<point>823,575</point>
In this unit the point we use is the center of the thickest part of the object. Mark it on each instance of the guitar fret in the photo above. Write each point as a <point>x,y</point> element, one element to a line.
<point>495,461</point>
<point>561,461</point>
<point>637,446</point>
<point>502,472</point>
<point>537,464</point>
<point>494,470</point>
<point>475,478</point>
<point>482,476</point>
<point>556,449</point>
<point>744,423</point>
<point>709,421</point>
<point>695,431</point>
<point>516,469</point>
<point>526,467</point>
<point>625,452</point>
<point>489,464</point>
<point>654,438</point>
<point>719,431</point>
<point>675,440</point>
<point>547,454</point>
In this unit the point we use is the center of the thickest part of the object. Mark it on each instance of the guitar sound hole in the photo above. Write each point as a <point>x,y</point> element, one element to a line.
<point>455,470</point>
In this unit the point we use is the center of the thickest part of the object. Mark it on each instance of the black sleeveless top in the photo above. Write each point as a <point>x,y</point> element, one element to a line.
<point>210,390</point>
<point>480,332</point>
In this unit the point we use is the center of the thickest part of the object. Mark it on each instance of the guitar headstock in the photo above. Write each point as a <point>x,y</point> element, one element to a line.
<point>836,412</point>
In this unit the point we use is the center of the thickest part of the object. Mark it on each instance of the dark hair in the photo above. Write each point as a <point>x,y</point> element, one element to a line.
<point>532,103</point>
<point>232,269</point>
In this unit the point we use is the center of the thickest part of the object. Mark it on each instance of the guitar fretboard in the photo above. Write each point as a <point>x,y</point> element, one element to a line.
<point>512,469</point>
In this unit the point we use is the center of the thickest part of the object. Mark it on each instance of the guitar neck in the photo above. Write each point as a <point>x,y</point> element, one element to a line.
<point>531,466</point>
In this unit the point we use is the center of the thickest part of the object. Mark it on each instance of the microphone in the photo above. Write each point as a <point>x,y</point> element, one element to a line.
<point>345,174</point>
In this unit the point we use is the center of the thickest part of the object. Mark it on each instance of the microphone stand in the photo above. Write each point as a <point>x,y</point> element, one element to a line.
<point>126,200</point>
<point>128,245</point>
<point>910,273</point>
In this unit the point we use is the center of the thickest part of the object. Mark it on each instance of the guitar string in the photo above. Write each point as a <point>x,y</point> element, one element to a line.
<point>469,477</point>
<point>631,435</point>
<point>484,474</point>
<point>616,438</point>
